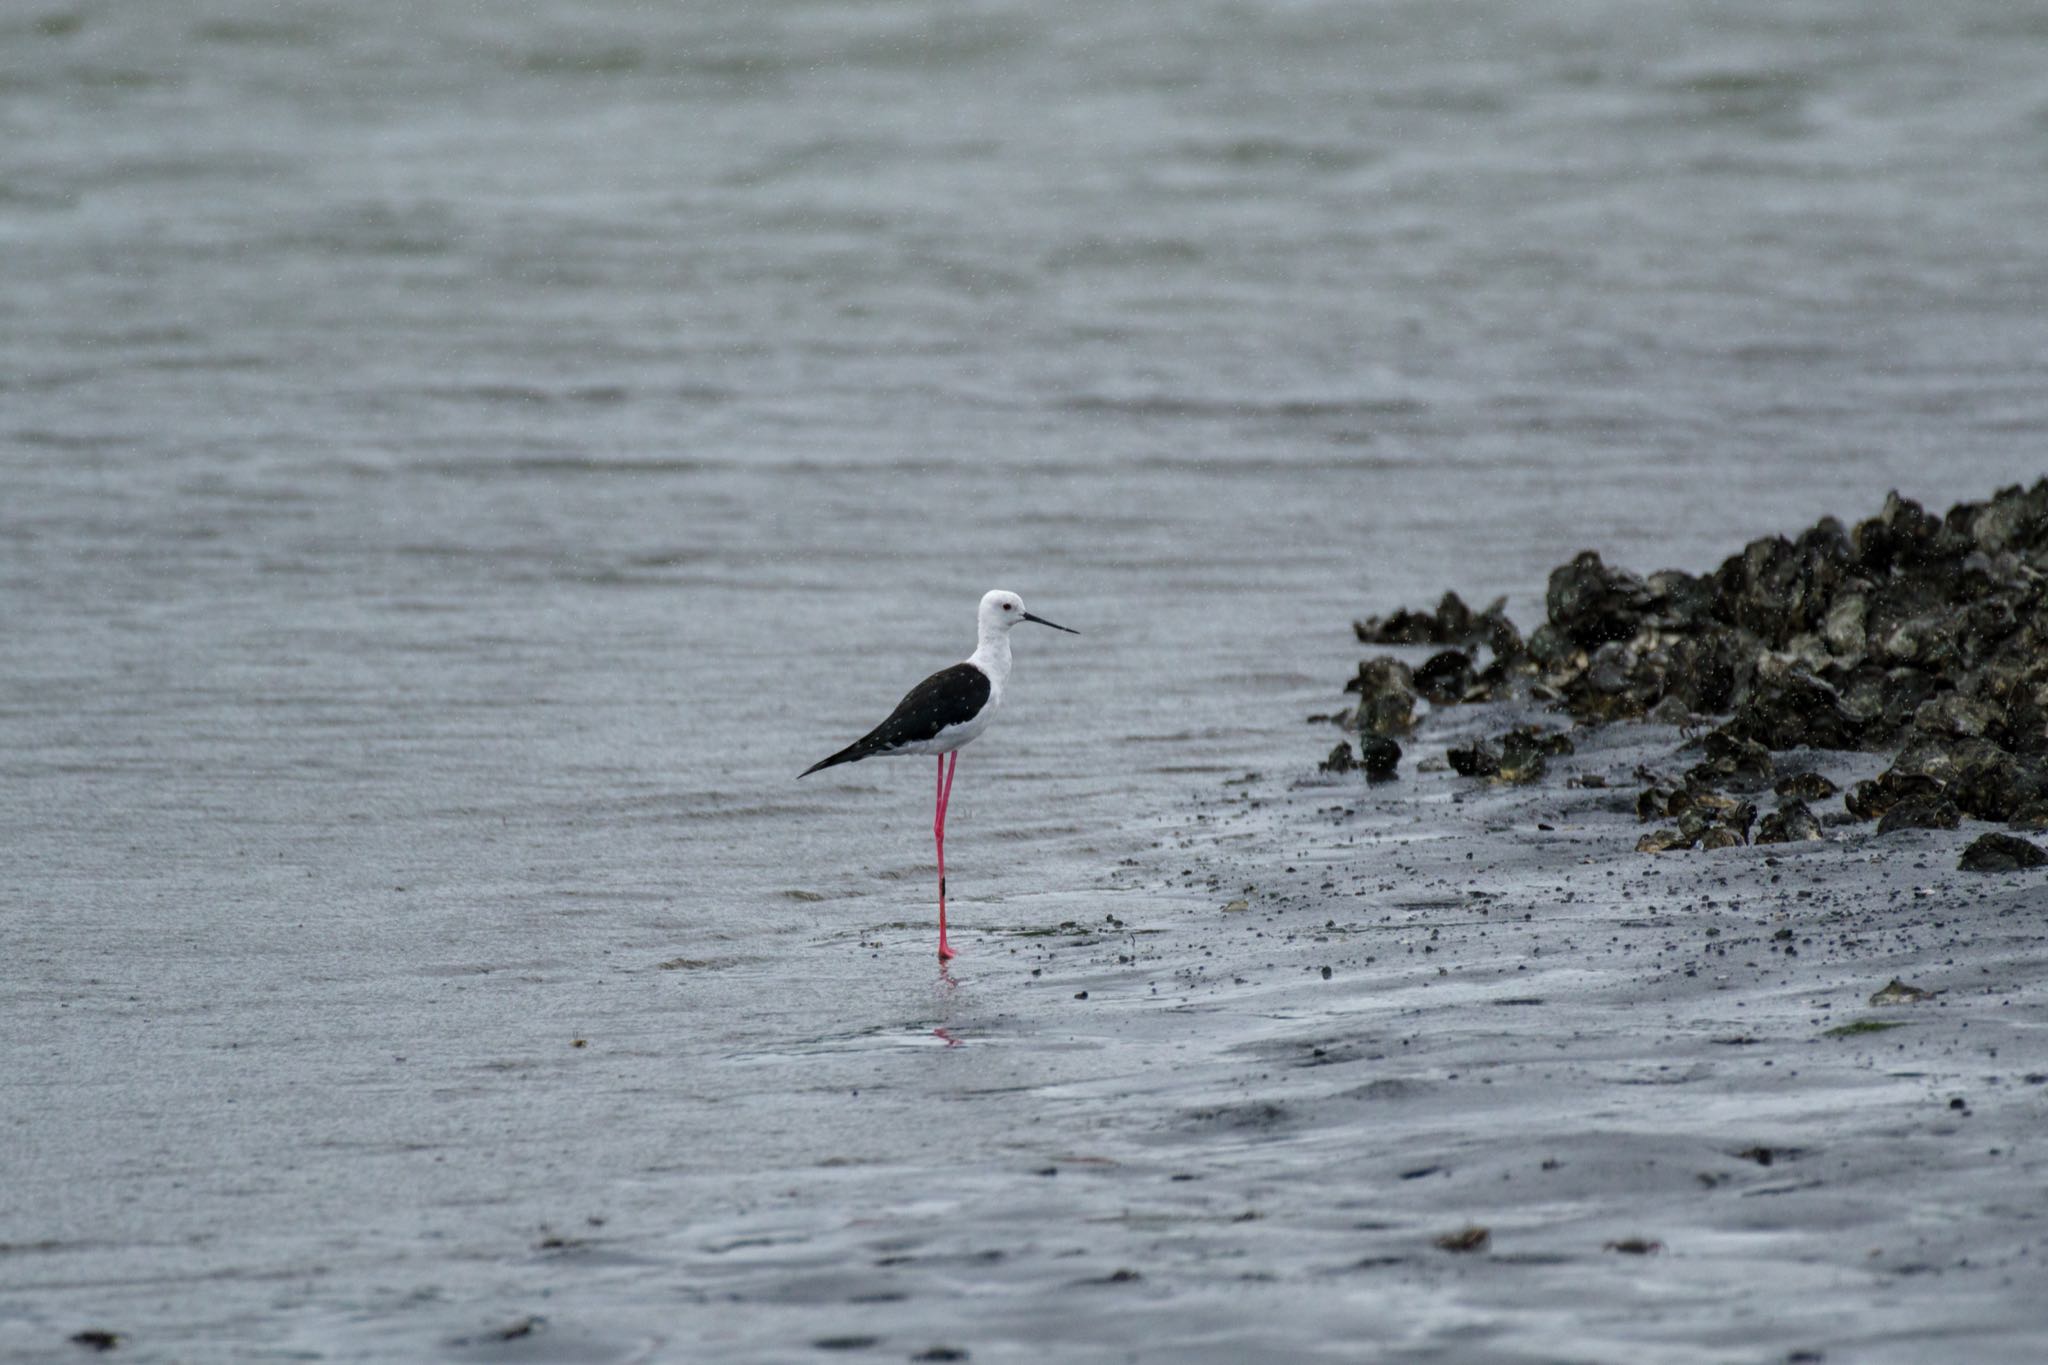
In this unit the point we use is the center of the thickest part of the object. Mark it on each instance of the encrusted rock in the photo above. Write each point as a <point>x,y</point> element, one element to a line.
<point>1901,534</point>
<point>1951,713</point>
<point>1709,671</point>
<point>1921,812</point>
<point>1555,743</point>
<point>1523,757</point>
<point>1994,786</point>
<point>1732,761</point>
<point>1777,589</point>
<point>1807,786</point>
<point>1790,823</point>
<point>1340,760</point>
<point>2001,853</point>
<point>1912,632</point>
<point>1681,601</point>
<point>1551,649</point>
<point>1445,677</point>
<point>1503,637</point>
<point>1870,799</point>
<point>1386,696</point>
<point>1593,605</point>
<point>1477,759</point>
<point>1845,628</point>
<point>1706,819</point>
<point>1794,709</point>
<point>2014,518</point>
<point>1940,757</point>
<point>2033,815</point>
<point>1381,757</point>
<point>1452,623</point>
<point>1670,711</point>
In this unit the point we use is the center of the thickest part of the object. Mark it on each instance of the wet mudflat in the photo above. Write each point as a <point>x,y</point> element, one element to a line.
<point>1440,1066</point>
<point>457,467</point>
<point>1465,1079</point>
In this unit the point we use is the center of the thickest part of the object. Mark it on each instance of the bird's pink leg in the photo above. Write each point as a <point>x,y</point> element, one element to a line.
<point>943,797</point>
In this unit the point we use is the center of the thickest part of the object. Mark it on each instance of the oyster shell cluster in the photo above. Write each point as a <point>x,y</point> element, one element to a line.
<point>1921,636</point>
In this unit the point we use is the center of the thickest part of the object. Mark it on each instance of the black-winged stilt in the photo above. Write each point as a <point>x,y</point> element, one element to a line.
<point>945,711</point>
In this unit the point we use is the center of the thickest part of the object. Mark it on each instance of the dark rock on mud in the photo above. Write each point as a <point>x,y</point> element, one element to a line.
<point>1386,696</point>
<point>1452,623</point>
<point>2033,815</point>
<point>1636,1246</point>
<point>1897,992</point>
<point>1525,753</point>
<point>1445,678</point>
<point>2002,853</point>
<point>1520,755</point>
<point>1403,627</point>
<point>1808,786</point>
<point>1706,818</point>
<point>1381,756</point>
<point>1473,1238</point>
<point>1663,841</point>
<point>1995,785</point>
<point>1733,761</point>
<point>1591,604</point>
<point>1477,759</point>
<point>1791,709</point>
<point>1792,822</point>
<point>1921,812</point>
<point>1378,756</point>
<point>1871,798</point>
<point>1522,761</point>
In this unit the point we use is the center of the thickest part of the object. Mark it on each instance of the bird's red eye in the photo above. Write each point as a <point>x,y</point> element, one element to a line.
<point>1009,606</point>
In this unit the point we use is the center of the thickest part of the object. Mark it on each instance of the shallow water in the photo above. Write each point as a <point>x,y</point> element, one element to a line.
<point>460,464</point>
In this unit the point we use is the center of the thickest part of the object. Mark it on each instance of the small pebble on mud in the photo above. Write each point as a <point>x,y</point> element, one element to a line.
<point>1472,1238</point>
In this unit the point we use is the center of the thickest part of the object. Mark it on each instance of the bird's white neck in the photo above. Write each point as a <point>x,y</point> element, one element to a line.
<point>992,654</point>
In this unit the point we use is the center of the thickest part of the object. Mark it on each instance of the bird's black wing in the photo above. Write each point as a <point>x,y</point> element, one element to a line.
<point>951,696</point>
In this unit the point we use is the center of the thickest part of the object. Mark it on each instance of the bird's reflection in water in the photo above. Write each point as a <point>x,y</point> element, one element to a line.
<point>948,987</point>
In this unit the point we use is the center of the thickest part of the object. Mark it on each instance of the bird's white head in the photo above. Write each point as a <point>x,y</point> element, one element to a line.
<point>1000,610</point>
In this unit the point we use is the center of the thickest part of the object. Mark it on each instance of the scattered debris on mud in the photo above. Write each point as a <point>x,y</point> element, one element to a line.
<point>1473,1238</point>
<point>1636,1246</point>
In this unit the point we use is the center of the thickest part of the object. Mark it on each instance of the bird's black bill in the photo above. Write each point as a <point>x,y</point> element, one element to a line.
<point>1043,622</point>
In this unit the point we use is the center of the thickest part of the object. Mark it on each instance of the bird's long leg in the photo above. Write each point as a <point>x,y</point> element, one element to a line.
<point>943,796</point>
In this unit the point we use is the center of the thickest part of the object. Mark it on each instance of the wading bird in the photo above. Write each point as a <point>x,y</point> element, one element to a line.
<point>945,711</point>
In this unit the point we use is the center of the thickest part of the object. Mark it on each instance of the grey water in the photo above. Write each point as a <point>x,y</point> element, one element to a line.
<point>458,463</point>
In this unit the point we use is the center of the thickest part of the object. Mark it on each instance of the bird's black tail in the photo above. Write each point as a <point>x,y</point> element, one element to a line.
<point>852,753</point>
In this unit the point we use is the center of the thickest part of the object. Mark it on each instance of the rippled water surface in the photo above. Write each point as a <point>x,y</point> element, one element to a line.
<point>461,461</point>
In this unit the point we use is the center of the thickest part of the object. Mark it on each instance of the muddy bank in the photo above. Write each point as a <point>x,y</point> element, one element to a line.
<point>1440,1069</point>
<point>1760,1103</point>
